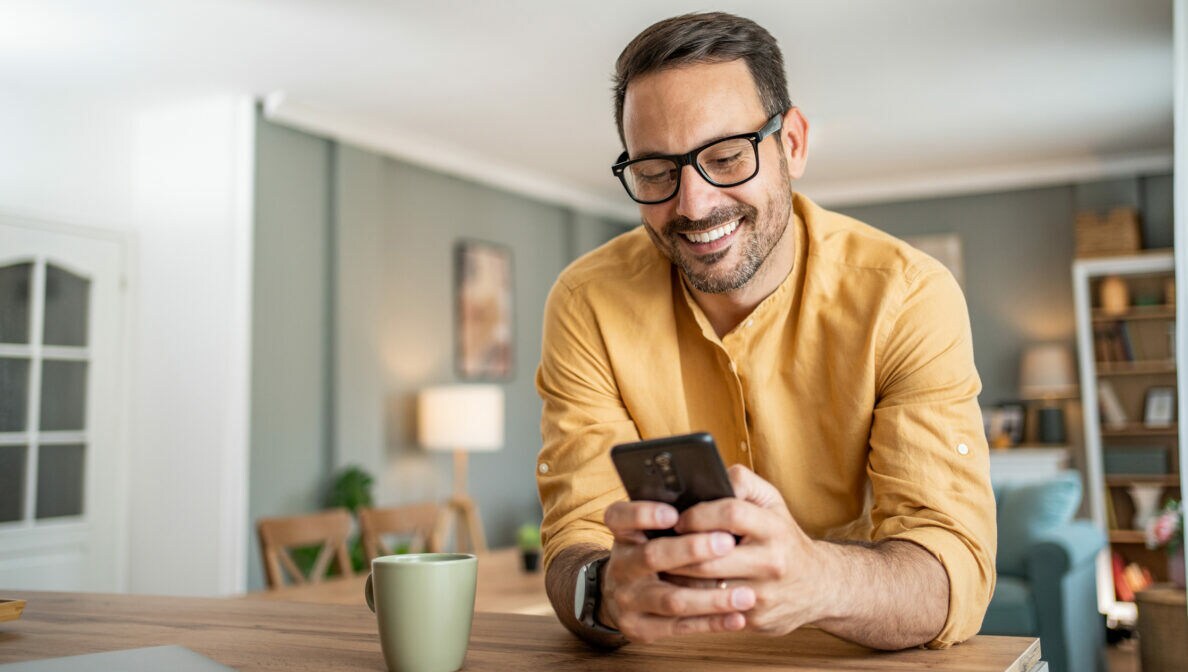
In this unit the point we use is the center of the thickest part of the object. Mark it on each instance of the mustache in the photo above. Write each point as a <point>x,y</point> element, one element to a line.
<point>716,218</point>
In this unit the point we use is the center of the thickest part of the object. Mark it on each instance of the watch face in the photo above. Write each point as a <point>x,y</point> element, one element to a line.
<point>579,593</point>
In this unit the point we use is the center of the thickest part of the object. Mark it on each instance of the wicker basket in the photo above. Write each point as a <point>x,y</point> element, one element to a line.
<point>1162,627</point>
<point>1116,232</point>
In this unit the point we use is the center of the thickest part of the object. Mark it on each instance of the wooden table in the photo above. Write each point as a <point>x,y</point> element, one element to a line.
<point>270,635</point>
<point>502,586</point>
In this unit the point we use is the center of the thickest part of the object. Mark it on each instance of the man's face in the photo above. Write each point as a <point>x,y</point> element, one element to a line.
<point>719,237</point>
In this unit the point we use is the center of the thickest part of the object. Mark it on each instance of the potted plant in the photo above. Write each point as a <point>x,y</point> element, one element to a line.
<point>528,539</point>
<point>350,489</point>
<point>1166,531</point>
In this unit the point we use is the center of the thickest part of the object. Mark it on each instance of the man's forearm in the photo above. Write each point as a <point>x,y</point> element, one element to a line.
<point>560,581</point>
<point>892,595</point>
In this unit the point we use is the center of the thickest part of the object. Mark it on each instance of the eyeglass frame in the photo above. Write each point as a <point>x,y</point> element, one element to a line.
<point>773,125</point>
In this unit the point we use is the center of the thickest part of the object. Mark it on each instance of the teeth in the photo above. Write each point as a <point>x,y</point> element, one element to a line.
<point>712,234</point>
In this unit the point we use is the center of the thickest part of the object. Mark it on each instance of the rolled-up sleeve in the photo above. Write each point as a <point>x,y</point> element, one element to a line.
<point>582,418</point>
<point>929,461</point>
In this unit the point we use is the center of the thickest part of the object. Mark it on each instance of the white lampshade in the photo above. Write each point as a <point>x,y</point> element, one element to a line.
<point>1047,372</point>
<point>461,417</point>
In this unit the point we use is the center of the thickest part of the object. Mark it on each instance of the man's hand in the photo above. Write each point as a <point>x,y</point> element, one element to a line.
<point>889,595</point>
<point>786,570</point>
<point>645,607</point>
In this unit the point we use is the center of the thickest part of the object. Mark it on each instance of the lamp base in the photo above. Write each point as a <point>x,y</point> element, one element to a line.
<point>1051,425</point>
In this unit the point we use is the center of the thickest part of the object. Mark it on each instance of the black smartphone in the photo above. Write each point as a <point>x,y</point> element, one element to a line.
<point>678,470</point>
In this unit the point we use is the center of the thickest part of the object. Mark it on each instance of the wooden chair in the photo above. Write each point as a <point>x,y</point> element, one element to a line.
<point>420,522</point>
<point>330,528</point>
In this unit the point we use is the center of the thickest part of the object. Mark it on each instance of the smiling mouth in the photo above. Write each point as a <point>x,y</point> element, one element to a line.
<point>713,234</point>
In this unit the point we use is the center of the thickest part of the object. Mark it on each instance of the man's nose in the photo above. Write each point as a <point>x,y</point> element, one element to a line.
<point>696,198</point>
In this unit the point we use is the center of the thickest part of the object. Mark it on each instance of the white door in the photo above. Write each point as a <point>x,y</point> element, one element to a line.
<point>62,461</point>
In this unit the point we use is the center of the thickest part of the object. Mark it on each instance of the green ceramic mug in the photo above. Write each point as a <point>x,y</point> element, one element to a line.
<point>424,603</point>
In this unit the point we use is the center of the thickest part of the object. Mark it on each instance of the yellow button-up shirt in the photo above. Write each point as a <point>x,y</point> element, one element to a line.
<point>851,389</point>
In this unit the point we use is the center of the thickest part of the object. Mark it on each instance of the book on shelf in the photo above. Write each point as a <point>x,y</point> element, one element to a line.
<point>1112,413</point>
<point>1114,342</point>
<point>1121,588</point>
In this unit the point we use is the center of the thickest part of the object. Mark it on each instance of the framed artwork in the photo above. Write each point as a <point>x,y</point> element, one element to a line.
<point>1004,424</point>
<point>484,335</point>
<point>1159,408</point>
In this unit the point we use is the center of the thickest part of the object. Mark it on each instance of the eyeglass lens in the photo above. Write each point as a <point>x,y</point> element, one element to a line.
<point>724,164</point>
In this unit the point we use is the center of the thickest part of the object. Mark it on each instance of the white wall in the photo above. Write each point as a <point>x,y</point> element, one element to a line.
<point>176,177</point>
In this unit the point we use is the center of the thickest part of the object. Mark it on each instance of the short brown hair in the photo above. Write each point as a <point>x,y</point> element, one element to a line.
<point>714,37</point>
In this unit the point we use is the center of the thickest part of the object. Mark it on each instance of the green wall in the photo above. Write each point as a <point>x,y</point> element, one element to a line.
<point>1018,249</point>
<point>354,313</point>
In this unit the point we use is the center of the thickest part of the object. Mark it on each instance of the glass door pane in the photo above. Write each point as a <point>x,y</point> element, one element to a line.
<point>14,394</point>
<point>60,480</point>
<point>15,281</point>
<point>67,306</point>
<point>12,483</point>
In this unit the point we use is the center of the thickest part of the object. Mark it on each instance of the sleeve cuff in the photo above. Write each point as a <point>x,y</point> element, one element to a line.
<point>971,583</point>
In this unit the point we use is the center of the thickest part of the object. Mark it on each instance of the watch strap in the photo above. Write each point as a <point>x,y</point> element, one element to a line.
<point>593,596</point>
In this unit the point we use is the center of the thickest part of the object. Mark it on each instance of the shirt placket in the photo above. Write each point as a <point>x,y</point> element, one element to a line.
<point>734,347</point>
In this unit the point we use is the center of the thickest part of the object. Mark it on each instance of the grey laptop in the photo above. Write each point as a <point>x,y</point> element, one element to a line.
<point>154,659</point>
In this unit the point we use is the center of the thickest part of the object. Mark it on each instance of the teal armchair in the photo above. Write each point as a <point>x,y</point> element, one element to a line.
<point>1047,584</point>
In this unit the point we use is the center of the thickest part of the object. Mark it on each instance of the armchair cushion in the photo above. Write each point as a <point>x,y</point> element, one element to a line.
<point>1012,609</point>
<point>1028,512</point>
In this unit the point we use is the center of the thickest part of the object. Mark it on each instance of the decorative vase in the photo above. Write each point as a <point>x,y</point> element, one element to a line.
<point>1114,295</point>
<point>1146,504</point>
<point>1175,568</point>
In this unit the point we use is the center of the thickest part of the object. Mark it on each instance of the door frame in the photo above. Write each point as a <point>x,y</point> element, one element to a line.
<point>23,540</point>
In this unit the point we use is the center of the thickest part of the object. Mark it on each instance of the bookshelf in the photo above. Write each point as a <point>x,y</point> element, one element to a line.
<point>1124,352</point>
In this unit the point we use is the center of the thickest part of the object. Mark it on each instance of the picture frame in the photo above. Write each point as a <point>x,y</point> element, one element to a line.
<point>1005,424</point>
<point>484,334</point>
<point>1159,406</point>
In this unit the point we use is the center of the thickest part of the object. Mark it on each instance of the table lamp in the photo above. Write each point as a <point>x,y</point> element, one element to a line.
<point>1047,375</point>
<point>462,419</point>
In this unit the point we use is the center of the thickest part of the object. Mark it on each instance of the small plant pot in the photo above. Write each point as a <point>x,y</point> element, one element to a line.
<point>531,559</point>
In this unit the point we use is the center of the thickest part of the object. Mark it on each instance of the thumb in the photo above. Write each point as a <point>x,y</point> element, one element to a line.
<point>749,487</point>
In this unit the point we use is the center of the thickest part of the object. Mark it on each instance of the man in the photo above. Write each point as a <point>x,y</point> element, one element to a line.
<point>832,363</point>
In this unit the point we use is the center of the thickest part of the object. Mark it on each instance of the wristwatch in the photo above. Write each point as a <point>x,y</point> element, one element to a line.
<point>587,596</point>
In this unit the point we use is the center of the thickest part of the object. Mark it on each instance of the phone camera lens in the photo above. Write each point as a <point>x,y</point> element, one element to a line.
<point>664,461</point>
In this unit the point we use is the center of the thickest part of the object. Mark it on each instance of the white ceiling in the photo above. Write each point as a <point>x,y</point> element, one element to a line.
<point>905,98</point>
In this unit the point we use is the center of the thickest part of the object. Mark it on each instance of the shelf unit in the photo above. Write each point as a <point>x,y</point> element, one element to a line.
<point>1147,359</point>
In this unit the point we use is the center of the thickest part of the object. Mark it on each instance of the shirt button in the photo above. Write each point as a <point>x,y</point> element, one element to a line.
<point>544,468</point>
<point>961,449</point>
<point>742,445</point>
<point>750,321</point>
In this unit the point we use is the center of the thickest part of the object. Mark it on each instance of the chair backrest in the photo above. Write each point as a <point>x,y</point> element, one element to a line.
<point>330,529</point>
<point>420,523</point>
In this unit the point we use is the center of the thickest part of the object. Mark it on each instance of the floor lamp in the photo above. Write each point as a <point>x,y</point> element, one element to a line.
<point>462,419</point>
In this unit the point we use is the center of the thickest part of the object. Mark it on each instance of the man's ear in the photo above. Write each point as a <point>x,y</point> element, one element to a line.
<point>794,136</point>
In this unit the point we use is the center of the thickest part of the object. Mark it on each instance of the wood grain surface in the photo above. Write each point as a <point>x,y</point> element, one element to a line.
<point>272,635</point>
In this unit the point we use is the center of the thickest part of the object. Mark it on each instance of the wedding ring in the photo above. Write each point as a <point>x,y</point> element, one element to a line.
<point>722,584</point>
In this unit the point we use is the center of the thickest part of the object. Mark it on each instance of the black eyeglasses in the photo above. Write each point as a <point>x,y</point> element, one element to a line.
<point>723,163</point>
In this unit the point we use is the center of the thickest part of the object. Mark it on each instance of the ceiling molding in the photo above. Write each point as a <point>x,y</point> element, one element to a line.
<point>433,154</point>
<point>485,170</point>
<point>988,179</point>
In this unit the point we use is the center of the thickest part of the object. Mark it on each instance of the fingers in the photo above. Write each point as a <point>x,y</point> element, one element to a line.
<point>628,520</point>
<point>755,563</point>
<point>646,628</point>
<point>742,518</point>
<point>659,598</point>
<point>667,553</point>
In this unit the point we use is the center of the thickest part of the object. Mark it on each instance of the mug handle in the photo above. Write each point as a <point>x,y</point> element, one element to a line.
<point>368,593</point>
